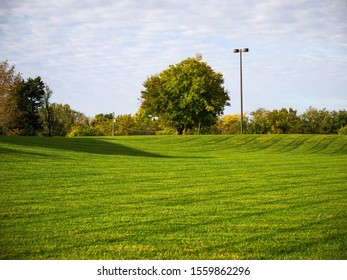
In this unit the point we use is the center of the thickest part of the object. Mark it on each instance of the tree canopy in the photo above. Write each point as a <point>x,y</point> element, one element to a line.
<point>20,102</point>
<point>187,95</point>
<point>29,97</point>
<point>9,82</point>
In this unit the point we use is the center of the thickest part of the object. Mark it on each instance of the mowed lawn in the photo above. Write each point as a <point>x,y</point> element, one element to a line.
<point>174,197</point>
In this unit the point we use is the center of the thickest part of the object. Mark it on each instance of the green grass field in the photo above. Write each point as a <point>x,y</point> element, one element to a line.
<point>172,197</point>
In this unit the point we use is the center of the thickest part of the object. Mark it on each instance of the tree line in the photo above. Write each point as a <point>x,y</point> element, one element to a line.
<point>286,121</point>
<point>186,98</point>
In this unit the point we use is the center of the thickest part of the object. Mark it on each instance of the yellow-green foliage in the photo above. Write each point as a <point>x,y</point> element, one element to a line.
<point>343,130</point>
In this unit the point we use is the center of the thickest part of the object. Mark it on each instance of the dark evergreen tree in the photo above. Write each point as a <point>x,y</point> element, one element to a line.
<point>29,97</point>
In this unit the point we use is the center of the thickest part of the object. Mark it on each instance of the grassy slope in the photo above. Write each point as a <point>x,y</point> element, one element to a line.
<point>169,197</point>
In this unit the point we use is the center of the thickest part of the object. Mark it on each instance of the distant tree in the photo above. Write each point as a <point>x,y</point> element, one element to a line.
<point>103,124</point>
<point>283,121</point>
<point>343,130</point>
<point>64,118</point>
<point>260,123</point>
<point>314,119</point>
<point>186,95</point>
<point>46,112</point>
<point>229,124</point>
<point>28,96</point>
<point>125,125</point>
<point>9,83</point>
<point>341,119</point>
<point>333,121</point>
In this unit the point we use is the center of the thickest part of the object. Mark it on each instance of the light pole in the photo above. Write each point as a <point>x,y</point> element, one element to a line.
<point>241,51</point>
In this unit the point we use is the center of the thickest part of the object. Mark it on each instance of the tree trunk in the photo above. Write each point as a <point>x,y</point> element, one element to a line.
<point>199,127</point>
<point>180,129</point>
<point>49,120</point>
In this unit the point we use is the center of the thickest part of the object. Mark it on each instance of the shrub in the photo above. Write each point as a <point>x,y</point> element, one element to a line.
<point>343,130</point>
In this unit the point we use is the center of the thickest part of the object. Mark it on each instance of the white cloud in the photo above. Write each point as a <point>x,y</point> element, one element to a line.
<point>96,54</point>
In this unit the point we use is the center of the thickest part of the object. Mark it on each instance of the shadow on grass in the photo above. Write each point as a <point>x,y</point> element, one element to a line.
<point>90,145</point>
<point>82,145</point>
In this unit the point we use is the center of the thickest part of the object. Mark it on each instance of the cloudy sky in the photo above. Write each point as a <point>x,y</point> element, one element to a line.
<point>96,54</point>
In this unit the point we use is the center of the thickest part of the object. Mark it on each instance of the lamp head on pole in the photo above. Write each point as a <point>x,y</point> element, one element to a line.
<point>240,50</point>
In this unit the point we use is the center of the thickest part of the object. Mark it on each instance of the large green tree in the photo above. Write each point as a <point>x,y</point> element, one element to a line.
<point>188,95</point>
